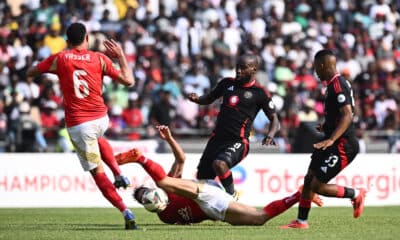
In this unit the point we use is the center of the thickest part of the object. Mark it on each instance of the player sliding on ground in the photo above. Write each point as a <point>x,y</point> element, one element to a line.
<point>193,201</point>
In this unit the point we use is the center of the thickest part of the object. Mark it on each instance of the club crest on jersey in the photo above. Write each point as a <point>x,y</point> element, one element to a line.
<point>248,94</point>
<point>233,100</point>
<point>341,98</point>
<point>271,105</point>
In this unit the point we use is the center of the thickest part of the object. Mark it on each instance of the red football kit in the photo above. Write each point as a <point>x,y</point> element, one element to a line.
<point>181,210</point>
<point>80,73</point>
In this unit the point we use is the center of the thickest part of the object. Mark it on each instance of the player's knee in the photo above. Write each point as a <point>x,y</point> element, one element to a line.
<point>308,179</point>
<point>316,186</point>
<point>220,166</point>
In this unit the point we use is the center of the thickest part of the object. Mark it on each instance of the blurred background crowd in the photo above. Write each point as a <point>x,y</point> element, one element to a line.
<point>176,47</point>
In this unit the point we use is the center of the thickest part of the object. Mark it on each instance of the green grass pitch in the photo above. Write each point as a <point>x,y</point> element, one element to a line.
<point>107,223</point>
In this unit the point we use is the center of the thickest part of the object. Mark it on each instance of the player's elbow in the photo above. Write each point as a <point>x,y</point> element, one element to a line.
<point>126,80</point>
<point>32,72</point>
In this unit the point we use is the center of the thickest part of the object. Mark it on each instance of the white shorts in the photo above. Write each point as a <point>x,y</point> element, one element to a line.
<point>84,138</point>
<point>213,200</point>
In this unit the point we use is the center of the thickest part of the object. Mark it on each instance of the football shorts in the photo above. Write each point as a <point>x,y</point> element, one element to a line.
<point>329,162</point>
<point>212,200</point>
<point>84,138</point>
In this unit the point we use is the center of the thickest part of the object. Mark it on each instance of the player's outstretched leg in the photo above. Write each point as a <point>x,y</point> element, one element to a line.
<point>130,156</point>
<point>107,155</point>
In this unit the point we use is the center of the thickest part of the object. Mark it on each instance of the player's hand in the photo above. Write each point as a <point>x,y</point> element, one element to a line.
<point>193,97</point>
<point>268,140</point>
<point>113,49</point>
<point>164,132</point>
<point>319,127</point>
<point>323,144</point>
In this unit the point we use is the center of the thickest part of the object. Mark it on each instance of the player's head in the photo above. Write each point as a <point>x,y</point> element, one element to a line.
<point>246,68</point>
<point>76,34</point>
<point>153,199</point>
<point>325,64</point>
<point>139,193</point>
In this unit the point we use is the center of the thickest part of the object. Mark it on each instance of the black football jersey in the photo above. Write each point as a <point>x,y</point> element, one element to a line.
<point>338,94</point>
<point>240,105</point>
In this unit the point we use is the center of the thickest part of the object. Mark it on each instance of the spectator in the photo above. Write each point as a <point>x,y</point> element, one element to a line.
<point>29,137</point>
<point>308,114</point>
<point>53,40</point>
<point>50,122</point>
<point>3,128</point>
<point>162,112</point>
<point>132,116</point>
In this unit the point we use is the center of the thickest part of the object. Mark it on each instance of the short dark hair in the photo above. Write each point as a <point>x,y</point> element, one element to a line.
<point>322,54</point>
<point>76,33</point>
<point>136,193</point>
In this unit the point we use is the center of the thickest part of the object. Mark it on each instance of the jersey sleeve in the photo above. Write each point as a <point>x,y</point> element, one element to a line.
<point>49,65</point>
<point>217,91</point>
<point>343,93</point>
<point>107,67</point>
<point>265,102</point>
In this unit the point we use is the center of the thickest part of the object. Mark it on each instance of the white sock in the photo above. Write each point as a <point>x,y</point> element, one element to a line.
<point>356,193</point>
<point>301,220</point>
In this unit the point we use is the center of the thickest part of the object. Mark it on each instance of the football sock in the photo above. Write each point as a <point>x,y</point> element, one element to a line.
<point>127,213</point>
<point>108,191</point>
<point>107,155</point>
<point>345,192</point>
<point>304,209</point>
<point>279,206</point>
<point>227,181</point>
<point>154,169</point>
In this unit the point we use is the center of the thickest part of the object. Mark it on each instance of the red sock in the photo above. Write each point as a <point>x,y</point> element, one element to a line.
<point>107,155</point>
<point>306,203</point>
<point>154,169</point>
<point>340,192</point>
<point>279,206</point>
<point>108,190</point>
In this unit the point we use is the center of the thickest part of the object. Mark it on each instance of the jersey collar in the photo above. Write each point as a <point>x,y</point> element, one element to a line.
<point>333,78</point>
<point>249,84</point>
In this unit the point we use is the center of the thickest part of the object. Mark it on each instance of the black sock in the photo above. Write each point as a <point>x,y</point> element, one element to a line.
<point>227,182</point>
<point>349,193</point>
<point>304,209</point>
<point>303,213</point>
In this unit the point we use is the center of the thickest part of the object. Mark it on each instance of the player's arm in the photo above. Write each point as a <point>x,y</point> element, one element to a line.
<point>115,51</point>
<point>202,100</point>
<point>346,118</point>
<point>268,108</point>
<point>177,166</point>
<point>47,65</point>
<point>33,71</point>
<point>273,127</point>
<point>209,97</point>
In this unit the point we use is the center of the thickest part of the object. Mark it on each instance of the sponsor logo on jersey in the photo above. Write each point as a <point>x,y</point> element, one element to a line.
<point>341,98</point>
<point>324,169</point>
<point>248,94</point>
<point>233,100</point>
<point>185,213</point>
<point>230,88</point>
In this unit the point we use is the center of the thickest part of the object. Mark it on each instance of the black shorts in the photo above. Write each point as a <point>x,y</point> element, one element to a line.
<point>231,152</point>
<point>327,163</point>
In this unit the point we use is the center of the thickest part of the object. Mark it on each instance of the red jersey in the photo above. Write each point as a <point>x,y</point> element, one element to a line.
<point>181,210</point>
<point>81,75</point>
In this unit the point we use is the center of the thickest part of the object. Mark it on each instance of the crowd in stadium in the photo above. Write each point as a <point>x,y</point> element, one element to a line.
<point>178,47</point>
